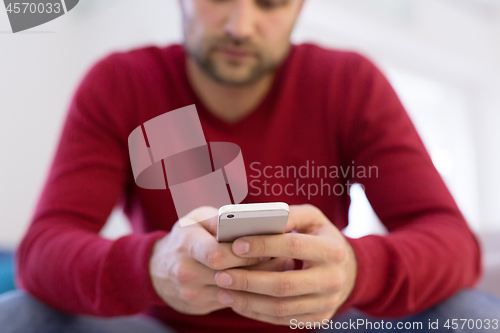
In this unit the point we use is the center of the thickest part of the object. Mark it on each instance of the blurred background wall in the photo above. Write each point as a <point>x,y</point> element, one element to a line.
<point>442,56</point>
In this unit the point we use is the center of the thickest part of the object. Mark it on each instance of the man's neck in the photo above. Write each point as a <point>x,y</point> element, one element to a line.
<point>226,102</point>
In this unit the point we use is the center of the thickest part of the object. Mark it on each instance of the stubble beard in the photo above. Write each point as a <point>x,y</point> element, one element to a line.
<point>204,53</point>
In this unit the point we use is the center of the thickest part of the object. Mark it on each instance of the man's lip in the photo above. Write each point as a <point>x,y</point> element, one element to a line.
<point>235,53</point>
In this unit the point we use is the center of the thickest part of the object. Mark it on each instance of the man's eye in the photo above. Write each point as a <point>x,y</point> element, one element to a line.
<point>270,4</point>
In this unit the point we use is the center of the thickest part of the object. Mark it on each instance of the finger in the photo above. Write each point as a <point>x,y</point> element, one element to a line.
<point>290,245</point>
<point>203,246</point>
<point>305,219</point>
<point>276,306</point>
<point>280,284</point>
<point>284,321</point>
<point>274,265</point>
<point>216,255</point>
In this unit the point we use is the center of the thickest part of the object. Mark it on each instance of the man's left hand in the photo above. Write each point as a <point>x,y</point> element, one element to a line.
<point>312,294</point>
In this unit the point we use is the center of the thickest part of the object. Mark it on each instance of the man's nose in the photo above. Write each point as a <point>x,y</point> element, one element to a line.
<point>241,22</point>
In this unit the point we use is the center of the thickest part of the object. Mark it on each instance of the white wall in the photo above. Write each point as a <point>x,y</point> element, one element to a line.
<point>443,56</point>
<point>39,70</point>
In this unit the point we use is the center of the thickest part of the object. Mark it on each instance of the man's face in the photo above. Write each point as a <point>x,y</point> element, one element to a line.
<point>236,42</point>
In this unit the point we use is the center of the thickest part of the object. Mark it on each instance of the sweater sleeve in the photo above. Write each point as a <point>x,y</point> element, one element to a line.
<point>429,252</point>
<point>62,260</point>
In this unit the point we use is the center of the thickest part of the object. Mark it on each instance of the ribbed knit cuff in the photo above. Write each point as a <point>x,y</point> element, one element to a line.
<point>373,261</point>
<point>128,271</point>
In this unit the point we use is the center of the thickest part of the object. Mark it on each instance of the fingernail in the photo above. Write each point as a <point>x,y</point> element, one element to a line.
<point>241,246</point>
<point>237,309</point>
<point>223,279</point>
<point>225,297</point>
<point>289,265</point>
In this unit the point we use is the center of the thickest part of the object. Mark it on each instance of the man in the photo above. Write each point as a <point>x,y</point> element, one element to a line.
<point>286,106</point>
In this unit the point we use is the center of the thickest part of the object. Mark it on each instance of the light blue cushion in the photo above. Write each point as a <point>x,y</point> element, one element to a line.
<point>6,272</point>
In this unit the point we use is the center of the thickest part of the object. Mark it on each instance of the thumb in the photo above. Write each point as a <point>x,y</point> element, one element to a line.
<point>210,224</point>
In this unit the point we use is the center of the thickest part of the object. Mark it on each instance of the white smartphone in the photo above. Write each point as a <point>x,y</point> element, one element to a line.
<point>251,219</point>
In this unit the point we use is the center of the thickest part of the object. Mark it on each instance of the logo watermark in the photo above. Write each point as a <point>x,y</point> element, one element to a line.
<point>357,324</point>
<point>307,180</point>
<point>170,150</point>
<point>26,15</point>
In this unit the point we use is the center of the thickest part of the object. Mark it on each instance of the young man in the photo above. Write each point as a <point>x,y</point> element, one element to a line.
<point>286,106</point>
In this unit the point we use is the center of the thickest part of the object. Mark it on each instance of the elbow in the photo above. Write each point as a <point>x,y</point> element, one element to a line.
<point>476,267</point>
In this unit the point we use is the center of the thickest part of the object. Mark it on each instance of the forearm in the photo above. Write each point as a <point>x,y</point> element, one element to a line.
<point>414,267</point>
<point>77,271</point>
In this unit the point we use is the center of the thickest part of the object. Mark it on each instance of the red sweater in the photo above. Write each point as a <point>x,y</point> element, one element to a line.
<point>330,108</point>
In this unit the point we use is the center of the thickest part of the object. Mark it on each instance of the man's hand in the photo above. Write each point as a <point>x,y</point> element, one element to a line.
<point>312,294</point>
<point>183,264</point>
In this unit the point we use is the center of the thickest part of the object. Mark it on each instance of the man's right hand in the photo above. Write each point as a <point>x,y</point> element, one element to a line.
<point>184,262</point>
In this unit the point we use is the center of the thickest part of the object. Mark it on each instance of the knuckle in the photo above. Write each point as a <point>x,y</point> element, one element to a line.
<point>283,287</point>
<point>242,282</point>
<point>281,309</point>
<point>215,259</point>
<point>259,246</point>
<point>183,273</point>
<point>296,244</point>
